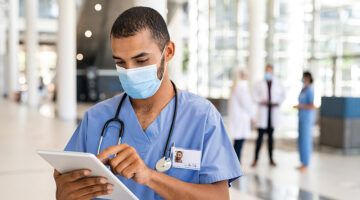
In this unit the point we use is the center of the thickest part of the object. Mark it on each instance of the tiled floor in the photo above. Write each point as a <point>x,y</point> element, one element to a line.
<point>24,175</point>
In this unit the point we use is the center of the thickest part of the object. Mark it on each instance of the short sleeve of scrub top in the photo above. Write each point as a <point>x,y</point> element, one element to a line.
<point>219,161</point>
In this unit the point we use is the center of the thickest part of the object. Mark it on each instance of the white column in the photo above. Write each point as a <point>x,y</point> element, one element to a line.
<point>31,42</point>
<point>13,68</point>
<point>66,63</point>
<point>176,35</point>
<point>239,35</point>
<point>192,73</point>
<point>158,5</point>
<point>315,29</point>
<point>256,40</point>
<point>270,18</point>
<point>296,46</point>
<point>2,51</point>
<point>337,72</point>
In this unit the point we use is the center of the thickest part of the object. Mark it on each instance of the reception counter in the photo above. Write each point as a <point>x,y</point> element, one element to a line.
<point>340,123</point>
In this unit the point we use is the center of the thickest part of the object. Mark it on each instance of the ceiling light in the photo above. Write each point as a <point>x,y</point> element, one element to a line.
<point>98,7</point>
<point>79,56</point>
<point>88,33</point>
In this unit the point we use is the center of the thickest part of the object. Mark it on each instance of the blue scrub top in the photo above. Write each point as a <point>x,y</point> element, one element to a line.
<point>306,97</point>
<point>198,126</point>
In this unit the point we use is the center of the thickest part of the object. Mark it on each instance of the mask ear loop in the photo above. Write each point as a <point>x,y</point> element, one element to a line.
<point>165,67</point>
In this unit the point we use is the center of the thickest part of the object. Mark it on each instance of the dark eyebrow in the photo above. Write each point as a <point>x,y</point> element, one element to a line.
<point>134,57</point>
<point>140,55</point>
<point>115,57</point>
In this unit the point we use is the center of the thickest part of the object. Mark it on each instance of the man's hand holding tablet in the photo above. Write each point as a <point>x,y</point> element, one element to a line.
<point>80,175</point>
<point>79,184</point>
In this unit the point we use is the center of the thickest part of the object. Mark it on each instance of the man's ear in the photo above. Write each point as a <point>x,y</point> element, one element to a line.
<point>170,51</point>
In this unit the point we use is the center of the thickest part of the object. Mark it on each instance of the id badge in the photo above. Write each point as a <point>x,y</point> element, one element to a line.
<point>186,158</point>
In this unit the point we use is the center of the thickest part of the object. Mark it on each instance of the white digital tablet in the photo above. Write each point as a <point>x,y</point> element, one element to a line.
<point>66,161</point>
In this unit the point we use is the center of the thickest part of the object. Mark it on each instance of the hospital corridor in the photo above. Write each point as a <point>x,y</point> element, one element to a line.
<point>180,99</point>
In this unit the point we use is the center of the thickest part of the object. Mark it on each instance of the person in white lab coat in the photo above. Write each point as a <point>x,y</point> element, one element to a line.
<point>241,112</point>
<point>268,94</point>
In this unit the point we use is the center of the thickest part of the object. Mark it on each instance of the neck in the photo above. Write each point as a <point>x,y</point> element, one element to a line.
<point>158,100</point>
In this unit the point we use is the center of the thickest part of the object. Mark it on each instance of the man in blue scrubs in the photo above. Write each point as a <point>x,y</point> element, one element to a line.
<point>142,49</point>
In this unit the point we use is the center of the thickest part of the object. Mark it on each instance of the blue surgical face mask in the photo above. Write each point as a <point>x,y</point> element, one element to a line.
<point>140,82</point>
<point>268,76</point>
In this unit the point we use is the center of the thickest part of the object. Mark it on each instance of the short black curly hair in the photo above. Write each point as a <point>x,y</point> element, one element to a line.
<point>137,19</point>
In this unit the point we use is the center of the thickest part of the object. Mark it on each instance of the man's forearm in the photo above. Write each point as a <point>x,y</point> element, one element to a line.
<point>171,188</point>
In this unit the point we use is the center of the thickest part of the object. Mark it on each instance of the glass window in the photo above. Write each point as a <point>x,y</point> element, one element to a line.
<point>47,9</point>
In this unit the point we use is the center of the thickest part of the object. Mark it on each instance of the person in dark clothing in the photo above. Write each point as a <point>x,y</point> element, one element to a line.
<point>268,94</point>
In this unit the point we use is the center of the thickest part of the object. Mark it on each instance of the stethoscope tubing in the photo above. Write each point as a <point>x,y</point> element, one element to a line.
<point>117,119</point>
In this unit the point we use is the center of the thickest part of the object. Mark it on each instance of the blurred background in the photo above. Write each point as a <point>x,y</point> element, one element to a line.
<point>56,61</point>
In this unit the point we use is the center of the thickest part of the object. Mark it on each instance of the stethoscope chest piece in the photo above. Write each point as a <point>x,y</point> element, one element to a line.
<point>163,165</point>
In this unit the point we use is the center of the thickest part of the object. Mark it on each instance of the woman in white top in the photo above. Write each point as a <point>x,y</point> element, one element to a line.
<point>241,112</point>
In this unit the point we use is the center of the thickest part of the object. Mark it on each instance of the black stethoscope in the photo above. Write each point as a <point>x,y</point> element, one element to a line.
<point>164,163</point>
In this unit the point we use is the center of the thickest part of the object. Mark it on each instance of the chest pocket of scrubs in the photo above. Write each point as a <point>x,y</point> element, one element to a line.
<point>187,175</point>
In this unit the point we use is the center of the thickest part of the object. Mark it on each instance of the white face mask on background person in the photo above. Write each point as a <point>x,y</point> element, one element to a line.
<point>141,82</point>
